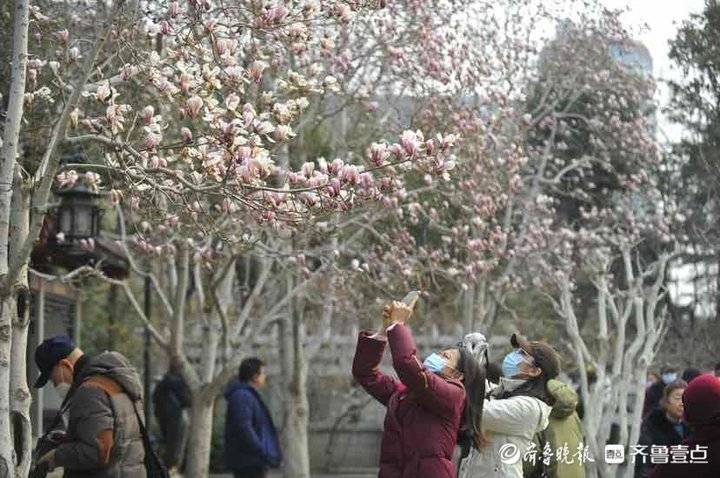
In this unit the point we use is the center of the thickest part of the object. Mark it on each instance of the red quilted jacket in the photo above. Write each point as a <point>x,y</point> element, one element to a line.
<point>424,410</point>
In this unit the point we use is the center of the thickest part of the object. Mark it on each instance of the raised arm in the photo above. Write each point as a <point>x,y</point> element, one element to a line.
<point>366,367</point>
<point>434,392</point>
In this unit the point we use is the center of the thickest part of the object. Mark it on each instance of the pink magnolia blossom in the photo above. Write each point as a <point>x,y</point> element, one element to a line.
<point>103,92</point>
<point>186,134</point>
<point>193,106</point>
<point>148,113</point>
<point>232,101</point>
<point>256,70</point>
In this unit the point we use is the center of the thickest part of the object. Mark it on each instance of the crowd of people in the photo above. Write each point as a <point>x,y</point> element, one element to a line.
<point>454,414</point>
<point>451,415</point>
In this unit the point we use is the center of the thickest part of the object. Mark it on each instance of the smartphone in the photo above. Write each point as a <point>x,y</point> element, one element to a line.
<point>411,298</point>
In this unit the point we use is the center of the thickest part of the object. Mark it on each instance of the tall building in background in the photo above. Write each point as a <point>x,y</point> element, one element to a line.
<point>633,55</point>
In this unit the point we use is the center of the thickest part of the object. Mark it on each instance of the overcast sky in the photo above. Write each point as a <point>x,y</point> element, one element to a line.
<point>662,18</point>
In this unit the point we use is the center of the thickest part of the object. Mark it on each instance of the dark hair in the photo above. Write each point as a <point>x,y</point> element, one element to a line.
<point>249,368</point>
<point>474,382</point>
<point>534,387</point>
<point>494,373</point>
<point>690,373</point>
<point>717,366</point>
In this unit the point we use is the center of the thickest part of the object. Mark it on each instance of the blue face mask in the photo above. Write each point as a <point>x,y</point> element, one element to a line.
<point>435,363</point>
<point>669,378</point>
<point>511,364</point>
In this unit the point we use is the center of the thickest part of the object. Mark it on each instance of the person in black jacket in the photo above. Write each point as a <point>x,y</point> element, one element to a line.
<point>653,394</point>
<point>172,399</point>
<point>251,440</point>
<point>663,426</point>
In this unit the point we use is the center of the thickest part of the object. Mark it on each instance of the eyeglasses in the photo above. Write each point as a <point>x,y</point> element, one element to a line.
<point>529,359</point>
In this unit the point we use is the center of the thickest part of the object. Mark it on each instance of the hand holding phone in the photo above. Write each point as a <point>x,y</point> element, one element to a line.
<point>400,311</point>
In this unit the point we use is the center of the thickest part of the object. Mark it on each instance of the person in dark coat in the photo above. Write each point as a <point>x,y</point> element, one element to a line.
<point>251,440</point>
<point>102,395</point>
<point>171,401</point>
<point>427,406</point>
<point>701,402</point>
<point>654,393</point>
<point>663,426</point>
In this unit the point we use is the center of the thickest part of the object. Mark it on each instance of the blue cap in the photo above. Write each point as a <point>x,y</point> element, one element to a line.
<point>49,353</point>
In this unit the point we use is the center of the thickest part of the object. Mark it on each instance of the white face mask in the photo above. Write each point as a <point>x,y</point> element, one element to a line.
<point>62,390</point>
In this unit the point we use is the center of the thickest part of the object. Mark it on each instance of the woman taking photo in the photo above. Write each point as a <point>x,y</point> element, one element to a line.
<point>516,410</point>
<point>429,403</point>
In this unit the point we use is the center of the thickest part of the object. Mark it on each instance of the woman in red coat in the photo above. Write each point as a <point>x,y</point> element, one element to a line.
<point>427,406</point>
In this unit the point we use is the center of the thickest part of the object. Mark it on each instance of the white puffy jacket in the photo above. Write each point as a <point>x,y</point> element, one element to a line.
<point>509,425</point>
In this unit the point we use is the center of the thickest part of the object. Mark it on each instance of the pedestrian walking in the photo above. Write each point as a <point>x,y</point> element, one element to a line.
<point>251,440</point>
<point>517,409</point>
<point>428,405</point>
<point>172,400</point>
<point>701,403</point>
<point>102,398</point>
<point>663,426</point>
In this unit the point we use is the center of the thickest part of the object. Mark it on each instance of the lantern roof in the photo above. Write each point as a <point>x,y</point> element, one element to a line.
<point>79,189</point>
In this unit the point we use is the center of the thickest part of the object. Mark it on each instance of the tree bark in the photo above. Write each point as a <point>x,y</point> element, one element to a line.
<point>8,161</point>
<point>200,439</point>
<point>296,449</point>
<point>469,308</point>
<point>20,399</point>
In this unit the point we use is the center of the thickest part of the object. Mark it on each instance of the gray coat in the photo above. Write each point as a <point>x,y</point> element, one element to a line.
<point>103,434</point>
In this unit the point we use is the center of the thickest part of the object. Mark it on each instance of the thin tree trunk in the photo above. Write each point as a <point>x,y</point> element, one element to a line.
<point>297,455</point>
<point>8,158</point>
<point>20,399</point>
<point>178,321</point>
<point>469,309</point>
<point>200,439</point>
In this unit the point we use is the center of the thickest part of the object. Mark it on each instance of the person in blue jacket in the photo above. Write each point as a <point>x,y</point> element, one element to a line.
<point>251,440</point>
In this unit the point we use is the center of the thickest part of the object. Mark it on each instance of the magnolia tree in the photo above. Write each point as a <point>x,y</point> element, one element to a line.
<point>556,187</point>
<point>603,229</point>
<point>188,107</point>
<point>533,123</point>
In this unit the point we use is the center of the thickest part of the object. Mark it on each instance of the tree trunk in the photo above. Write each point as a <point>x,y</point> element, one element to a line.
<point>8,159</point>
<point>200,439</point>
<point>6,442</point>
<point>20,399</point>
<point>296,460</point>
<point>296,449</point>
<point>469,309</point>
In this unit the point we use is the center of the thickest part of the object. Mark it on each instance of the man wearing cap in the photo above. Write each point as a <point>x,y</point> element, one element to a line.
<point>101,396</point>
<point>516,410</point>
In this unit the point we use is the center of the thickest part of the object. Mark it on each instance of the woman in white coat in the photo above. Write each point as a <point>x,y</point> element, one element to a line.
<point>514,412</point>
